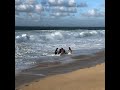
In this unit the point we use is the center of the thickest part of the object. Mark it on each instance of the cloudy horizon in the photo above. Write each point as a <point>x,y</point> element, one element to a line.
<point>60,13</point>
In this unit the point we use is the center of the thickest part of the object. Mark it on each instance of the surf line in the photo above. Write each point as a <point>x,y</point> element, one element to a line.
<point>34,74</point>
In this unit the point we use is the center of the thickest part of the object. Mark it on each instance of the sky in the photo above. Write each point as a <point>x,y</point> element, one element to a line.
<point>60,13</point>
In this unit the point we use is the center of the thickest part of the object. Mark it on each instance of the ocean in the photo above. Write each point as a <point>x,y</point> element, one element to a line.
<point>37,46</point>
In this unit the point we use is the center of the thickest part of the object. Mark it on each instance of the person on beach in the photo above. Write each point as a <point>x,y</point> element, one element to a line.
<point>69,51</point>
<point>56,51</point>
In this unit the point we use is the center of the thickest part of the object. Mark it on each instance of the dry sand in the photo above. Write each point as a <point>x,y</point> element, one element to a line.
<point>92,78</point>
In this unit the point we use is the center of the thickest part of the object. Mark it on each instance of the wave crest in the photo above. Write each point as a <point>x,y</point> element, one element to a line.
<point>54,35</point>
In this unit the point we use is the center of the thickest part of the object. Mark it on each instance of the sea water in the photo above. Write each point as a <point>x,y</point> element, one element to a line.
<point>37,46</point>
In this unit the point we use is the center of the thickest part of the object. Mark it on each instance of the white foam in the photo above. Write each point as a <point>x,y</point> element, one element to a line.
<point>54,35</point>
<point>46,54</point>
<point>69,53</point>
<point>24,35</point>
<point>93,32</point>
<point>34,74</point>
<point>17,37</point>
<point>88,33</point>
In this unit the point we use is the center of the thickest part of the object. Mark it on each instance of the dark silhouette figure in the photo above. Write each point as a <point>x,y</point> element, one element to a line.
<point>70,51</point>
<point>56,51</point>
<point>63,51</point>
<point>59,51</point>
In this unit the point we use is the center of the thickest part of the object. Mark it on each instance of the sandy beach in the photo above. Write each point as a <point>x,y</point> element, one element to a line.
<point>85,79</point>
<point>86,73</point>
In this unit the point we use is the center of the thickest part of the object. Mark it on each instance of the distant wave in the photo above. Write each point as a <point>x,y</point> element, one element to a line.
<point>58,35</point>
<point>22,38</point>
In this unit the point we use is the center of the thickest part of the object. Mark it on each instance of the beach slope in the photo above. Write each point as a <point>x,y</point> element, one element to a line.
<point>92,78</point>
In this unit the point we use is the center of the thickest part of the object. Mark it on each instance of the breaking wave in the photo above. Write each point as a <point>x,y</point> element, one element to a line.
<point>58,35</point>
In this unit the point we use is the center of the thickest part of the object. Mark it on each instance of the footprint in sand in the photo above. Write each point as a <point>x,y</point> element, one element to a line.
<point>27,85</point>
<point>36,81</point>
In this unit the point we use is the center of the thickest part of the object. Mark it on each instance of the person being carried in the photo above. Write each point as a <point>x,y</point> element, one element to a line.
<point>63,51</point>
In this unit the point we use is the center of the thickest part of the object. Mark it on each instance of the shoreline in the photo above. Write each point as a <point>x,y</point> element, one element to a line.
<point>38,73</point>
<point>56,63</point>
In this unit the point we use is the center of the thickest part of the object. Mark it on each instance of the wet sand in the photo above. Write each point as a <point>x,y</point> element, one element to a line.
<point>38,74</point>
<point>92,78</point>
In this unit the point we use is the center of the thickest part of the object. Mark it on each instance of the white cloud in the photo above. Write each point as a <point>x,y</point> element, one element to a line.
<point>32,6</point>
<point>51,1</point>
<point>39,8</point>
<point>72,9</point>
<point>56,2</point>
<point>24,8</point>
<point>66,3</point>
<point>47,8</point>
<point>31,2</point>
<point>56,14</point>
<point>64,9</point>
<point>94,13</point>
<point>59,9</point>
<point>71,3</point>
<point>53,8</point>
<point>60,1</point>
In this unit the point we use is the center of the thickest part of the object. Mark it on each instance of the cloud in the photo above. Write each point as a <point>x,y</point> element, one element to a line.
<point>59,9</point>
<point>64,9</point>
<point>71,3</point>
<point>72,10</point>
<point>29,8</point>
<point>94,13</point>
<point>66,3</point>
<point>24,8</point>
<point>54,6</point>
<point>82,4</point>
<point>31,15</point>
<point>35,17</point>
<point>39,8</point>
<point>56,2</point>
<point>59,14</point>
<point>46,8</point>
<point>30,2</point>
<point>18,2</point>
